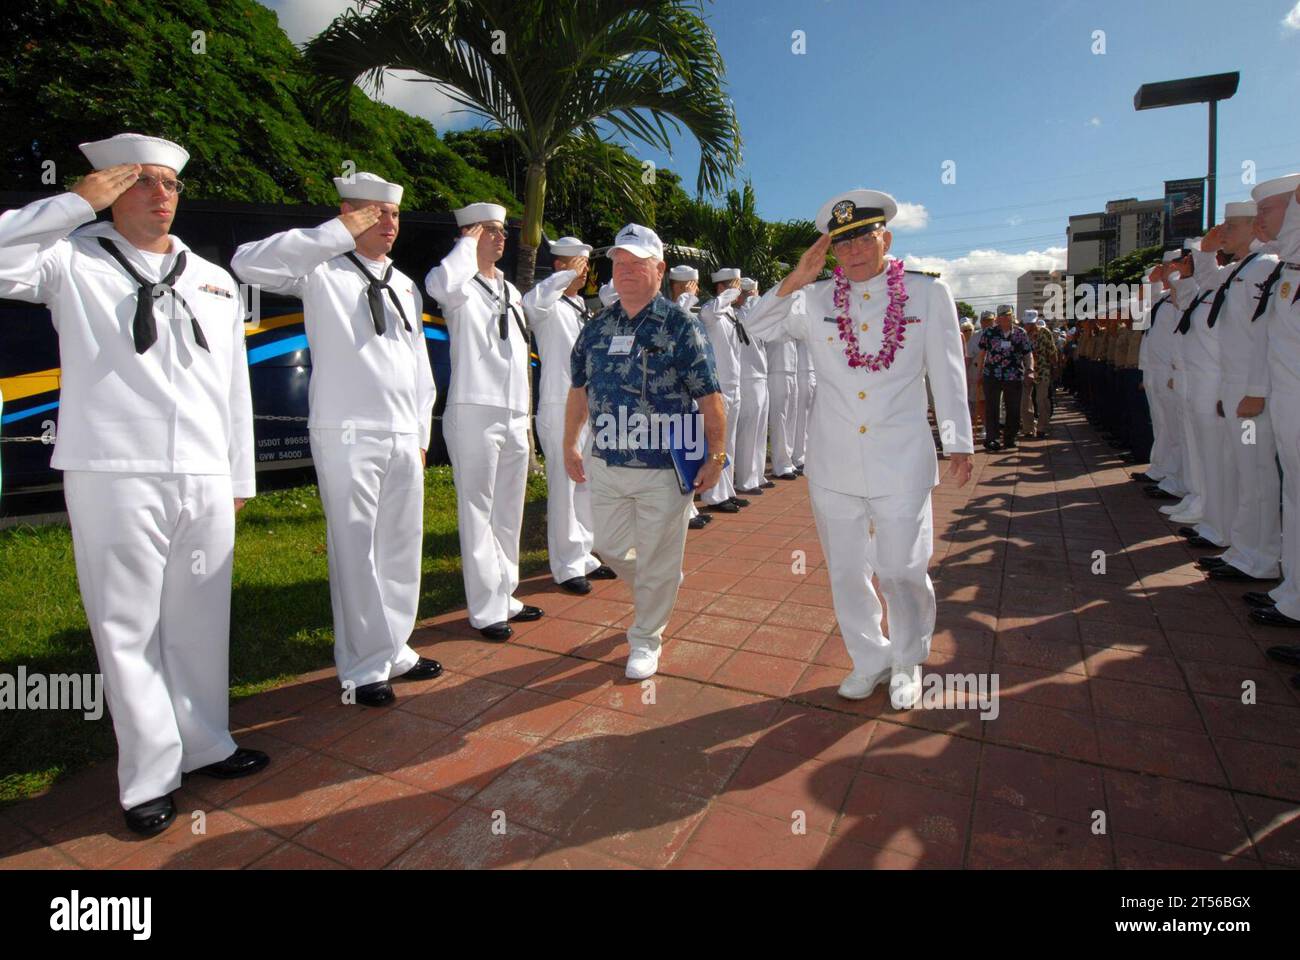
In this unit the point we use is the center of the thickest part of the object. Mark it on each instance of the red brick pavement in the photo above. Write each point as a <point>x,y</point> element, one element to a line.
<point>1120,693</point>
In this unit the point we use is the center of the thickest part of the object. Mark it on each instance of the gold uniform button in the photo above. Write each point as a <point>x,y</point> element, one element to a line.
<point>862,394</point>
<point>862,429</point>
<point>866,326</point>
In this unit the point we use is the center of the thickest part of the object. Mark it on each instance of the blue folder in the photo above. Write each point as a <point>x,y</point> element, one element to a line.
<point>686,467</point>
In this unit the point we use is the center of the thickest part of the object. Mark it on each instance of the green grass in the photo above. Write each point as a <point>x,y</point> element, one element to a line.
<point>281,624</point>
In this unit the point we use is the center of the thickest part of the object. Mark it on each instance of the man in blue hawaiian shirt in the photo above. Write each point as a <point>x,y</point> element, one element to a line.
<point>639,368</point>
<point>1006,360</point>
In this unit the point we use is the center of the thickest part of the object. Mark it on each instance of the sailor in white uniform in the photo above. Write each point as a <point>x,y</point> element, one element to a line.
<point>726,334</point>
<point>875,336</point>
<point>1155,358</point>
<point>683,290</point>
<point>556,313</point>
<point>1192,394</point>
<point>155,439</point>
<point>751,431</point>
<point>782,398</point>
<point>485,422</point>
<point>806,387</point>
<point>370,403</point>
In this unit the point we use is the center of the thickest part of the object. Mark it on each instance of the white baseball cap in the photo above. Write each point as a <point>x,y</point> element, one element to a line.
<point>639,241</point>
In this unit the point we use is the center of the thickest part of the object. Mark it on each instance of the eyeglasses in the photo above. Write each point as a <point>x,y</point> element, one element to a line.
<point>862,239</point>
<point>494,231</point>
<point>151,183</point>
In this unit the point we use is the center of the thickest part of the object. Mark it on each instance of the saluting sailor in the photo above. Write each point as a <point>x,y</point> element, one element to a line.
<point>683,290</point>
<point>783,397</point>
<point>875,336</point>
<point>556,314</point>
<point>370,402</point>
<point>485,422</point>
<point>726,335</point>
<point>155,438</point>
<point>751,430</point>
<point>1195,379</point>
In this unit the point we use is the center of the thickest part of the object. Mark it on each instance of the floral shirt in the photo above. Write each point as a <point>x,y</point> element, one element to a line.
<point>662,369</point>
<point>1004,352</point>
<point>1045,351</point>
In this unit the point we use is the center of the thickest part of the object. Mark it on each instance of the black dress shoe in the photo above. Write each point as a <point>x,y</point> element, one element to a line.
<point>497,631</point>
<point>152,817</point>
<point>699,523</point>
<point>789,476</point>
<point>726,506</point>
<point>768,484</point>
<point>706,518</point>
<point>740,501</point>
<point>1155,493</point>
<point>1287,655</point>
<point>798,471</point>
<point>1258,598</point>
<point>992,446</point>
<point>1272,617</point>
<point>602,573</point>
<point>1202,544</point>
<point>1228,572</point>
<point>578,585</point>
<point>528,613</point>
<point>1141,478</point>
<point>1011,445</point>
<point>424,669</point>
<point>1212,563</point>
<point>750,492</point>
<point>1188,532</point>
<point>241,763</point>
<point>375,694</point>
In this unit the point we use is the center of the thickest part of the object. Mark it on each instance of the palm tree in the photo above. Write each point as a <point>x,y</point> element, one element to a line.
<point>552,73</point>
<point>737,236</point>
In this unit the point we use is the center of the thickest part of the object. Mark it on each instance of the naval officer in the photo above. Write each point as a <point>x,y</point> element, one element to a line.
<point>556,313</point>
<point>370,403</point>
<point>485,421</point>
<point>875,336</point>
<point>155,439</point>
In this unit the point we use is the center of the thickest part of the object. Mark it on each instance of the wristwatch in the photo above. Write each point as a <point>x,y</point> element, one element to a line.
<point>720,458</point>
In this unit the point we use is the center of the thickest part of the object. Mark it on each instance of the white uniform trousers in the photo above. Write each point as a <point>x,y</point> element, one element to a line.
<point>898,553</point>
<point>641,517</point>
<point>751,433</point>
<point>1191,509</point>
<point>1284,412</point>
<point>154,555</point>
<point>372,488</point>
<point>1256,530</point>
<point>568,504</point>
<point>1218,487</point>
<point>807,384</point>
<point>782,394</point>
<point>725,488</point>
<point>488,447</point>
<point>1167,453</point>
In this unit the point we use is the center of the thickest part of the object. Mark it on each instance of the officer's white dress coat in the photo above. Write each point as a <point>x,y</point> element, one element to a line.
<point>371,402</point>
<point>556,320</point>
<point>871,457</point>
<point>485,424</point>
<point>154,449</point>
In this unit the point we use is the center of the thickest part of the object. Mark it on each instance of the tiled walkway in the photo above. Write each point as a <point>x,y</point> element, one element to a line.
<point>1121,738</point>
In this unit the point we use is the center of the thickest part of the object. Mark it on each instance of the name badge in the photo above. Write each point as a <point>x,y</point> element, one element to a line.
<point>621,345</point>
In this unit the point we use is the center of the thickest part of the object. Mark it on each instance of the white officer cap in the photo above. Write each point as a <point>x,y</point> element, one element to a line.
<point>748,283</point>
<point>1244,208</point>
<point>639,241</point>
<point>682,273</point>
<point>367,186</point>
<point>570,247</point>
<point>135,148</point>
<point>1271,188</point>
<point>855,212</point>
<point>725,274</point>
<point>480,213</point>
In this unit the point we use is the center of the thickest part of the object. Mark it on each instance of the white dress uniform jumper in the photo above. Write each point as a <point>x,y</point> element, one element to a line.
<point>782,396</point>
<point>723,328</point>
<point>751,425</point>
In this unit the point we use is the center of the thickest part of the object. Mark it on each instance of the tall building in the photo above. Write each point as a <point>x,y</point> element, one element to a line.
<point>1133,224</point>
<point>1032,289</point>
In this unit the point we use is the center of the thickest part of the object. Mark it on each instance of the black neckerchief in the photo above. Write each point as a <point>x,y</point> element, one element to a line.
<point>584,314</point>
<point>144,328</point>
<point>1222,294</point>
<point>1266,290</point>
<point>507,309</point>
<point>1154,310</point>
<point>1185,323</point>
<point>374,294</point>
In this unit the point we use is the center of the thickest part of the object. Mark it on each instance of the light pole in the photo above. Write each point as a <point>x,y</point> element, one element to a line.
<point>1208,89</point>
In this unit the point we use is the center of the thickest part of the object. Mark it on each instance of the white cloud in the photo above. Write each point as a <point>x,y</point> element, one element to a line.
<point>988,277</point>
<point>1292,20</point>
<point>1094,122</point>
<point>911,216</point>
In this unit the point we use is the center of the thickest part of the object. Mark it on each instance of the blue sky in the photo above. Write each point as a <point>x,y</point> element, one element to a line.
<point>1038,125</point>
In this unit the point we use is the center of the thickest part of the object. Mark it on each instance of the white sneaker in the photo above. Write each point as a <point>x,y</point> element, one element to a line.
<point>905,687</point>
<point>857,686</point>
<point>642,663</point>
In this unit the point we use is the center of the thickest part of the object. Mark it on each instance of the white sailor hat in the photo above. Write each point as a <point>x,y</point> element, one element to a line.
<point>855,212</point>
<point>639,241</point>
<point>1271,188</point>
<point>1171,255</point>
<point>725,274</point>
<point>748,283</point>
<point>1244,208</point>
<point>135,148</point>
<point>480,213</point>
<point>570,247</point>
<point>367,186</point>
<point>682,273</point>
<point>1191,245</point>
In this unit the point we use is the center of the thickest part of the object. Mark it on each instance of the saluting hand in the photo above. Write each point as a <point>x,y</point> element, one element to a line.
<point>360,220</point>
<point>808,268</point>
<point>101,188</point>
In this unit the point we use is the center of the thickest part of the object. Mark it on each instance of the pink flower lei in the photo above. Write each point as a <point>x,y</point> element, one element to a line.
<point>895,325</point>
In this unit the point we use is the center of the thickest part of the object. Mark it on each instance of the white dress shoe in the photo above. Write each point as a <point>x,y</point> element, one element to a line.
<point>905,688</point>
<point>642,663</point>
<point>858,686</point>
